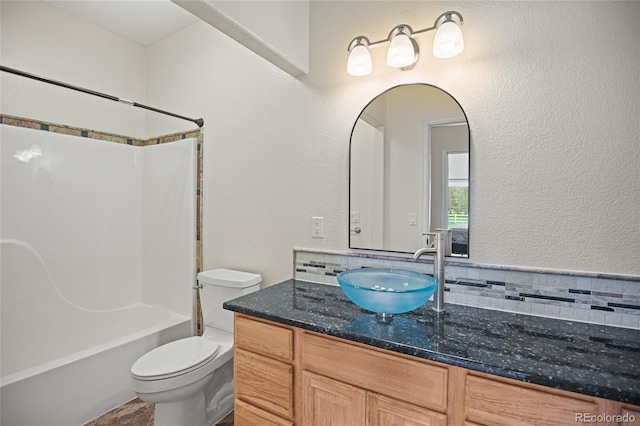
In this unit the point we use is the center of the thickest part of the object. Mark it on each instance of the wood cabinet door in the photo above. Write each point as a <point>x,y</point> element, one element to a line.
<point>385,411</point>
<point>328,402</point>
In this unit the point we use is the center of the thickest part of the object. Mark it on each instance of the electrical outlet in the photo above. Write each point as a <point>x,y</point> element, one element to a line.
<point>317,227</point>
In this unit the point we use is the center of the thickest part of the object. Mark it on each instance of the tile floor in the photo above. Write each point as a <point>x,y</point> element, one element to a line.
<point>137,413</point>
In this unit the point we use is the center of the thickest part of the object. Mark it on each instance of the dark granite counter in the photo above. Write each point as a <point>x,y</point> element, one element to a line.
<point>586,358</point>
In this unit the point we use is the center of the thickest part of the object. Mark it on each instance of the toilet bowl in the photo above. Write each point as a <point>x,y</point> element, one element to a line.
<point>190,380</point>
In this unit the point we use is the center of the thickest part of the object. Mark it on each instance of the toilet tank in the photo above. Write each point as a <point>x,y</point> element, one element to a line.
<point>220,285</point>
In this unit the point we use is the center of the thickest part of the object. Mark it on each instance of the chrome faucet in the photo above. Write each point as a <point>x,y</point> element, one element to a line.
<point>438,249</point>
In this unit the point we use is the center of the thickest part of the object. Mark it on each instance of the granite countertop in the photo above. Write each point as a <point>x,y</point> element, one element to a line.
<point>586,358</point>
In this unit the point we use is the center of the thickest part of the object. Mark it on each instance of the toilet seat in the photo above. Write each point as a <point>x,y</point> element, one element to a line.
<point>175,359</point>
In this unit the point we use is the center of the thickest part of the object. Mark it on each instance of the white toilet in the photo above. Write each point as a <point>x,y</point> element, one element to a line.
<point>191,380</point>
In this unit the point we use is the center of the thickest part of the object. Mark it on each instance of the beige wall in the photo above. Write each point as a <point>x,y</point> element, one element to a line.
<point>46,41</point>
<point>550,89</point>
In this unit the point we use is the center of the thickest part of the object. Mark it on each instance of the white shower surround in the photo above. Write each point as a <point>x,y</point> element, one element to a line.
<point>98,257</point>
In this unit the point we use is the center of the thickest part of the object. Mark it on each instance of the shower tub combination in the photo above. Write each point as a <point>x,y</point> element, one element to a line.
<point>90,279</point>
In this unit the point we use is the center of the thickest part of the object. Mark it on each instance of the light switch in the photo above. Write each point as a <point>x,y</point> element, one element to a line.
<point>317,227</point>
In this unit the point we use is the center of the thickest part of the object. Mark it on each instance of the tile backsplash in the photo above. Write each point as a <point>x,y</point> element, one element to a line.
<point>608,299</point>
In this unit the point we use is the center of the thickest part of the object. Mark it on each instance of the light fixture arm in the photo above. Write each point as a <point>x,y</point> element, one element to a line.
<point>446,15</point>
<point>385,40</point>
<point>399,29</point>
<point>357,41</point>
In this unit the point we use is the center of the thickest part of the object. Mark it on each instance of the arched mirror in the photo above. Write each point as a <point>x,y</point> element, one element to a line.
<point>409,171</point>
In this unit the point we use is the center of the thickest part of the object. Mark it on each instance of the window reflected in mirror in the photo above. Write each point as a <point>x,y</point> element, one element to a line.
<point>457,201</point>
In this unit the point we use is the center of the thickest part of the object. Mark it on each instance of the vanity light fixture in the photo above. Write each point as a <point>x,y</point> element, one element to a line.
<point>403,49</point>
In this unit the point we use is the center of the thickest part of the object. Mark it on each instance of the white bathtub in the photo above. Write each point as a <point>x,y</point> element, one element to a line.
<point>45,385</point>
<point>60,363</point>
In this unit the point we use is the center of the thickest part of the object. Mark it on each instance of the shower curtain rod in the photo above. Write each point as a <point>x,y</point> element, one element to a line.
<point>198,121</point>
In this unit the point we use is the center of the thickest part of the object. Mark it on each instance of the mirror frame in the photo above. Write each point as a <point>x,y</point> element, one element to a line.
<point>468,255</point>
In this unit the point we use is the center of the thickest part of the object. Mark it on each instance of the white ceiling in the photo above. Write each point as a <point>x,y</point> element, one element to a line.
<point>142,21</point>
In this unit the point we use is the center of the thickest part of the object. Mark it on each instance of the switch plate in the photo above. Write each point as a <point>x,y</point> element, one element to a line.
<point>317,227</point>
<point>354,217</point>
<point>413,219</point>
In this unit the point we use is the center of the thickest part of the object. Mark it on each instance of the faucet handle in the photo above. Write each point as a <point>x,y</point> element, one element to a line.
<point>430,241</point>
<point>437,231</point>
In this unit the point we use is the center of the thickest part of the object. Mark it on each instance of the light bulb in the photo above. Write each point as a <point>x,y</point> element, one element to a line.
<point>448,41</point>
<point>401,51</point>
<point>359,62</point>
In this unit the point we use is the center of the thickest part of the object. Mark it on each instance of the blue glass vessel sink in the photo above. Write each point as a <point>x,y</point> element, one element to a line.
<point>386,290</point>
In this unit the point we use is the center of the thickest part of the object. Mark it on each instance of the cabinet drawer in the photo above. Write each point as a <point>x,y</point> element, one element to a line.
<point>409,380</point>
<point>248,415</point>
<point>385,411</point>
<point>264,382</point>
<point>264,338</point>
<point>494,402</point>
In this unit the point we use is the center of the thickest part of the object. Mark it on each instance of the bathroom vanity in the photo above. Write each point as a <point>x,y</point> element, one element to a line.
<point>305,355</point>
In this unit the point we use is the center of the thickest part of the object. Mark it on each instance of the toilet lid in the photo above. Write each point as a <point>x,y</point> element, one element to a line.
<point>175,358</point>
